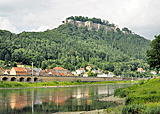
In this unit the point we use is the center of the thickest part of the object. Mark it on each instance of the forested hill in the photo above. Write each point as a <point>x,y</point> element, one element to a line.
<point>70,46</point>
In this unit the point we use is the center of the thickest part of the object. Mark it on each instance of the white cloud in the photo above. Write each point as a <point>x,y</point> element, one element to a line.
<point>41,29</point>
<point>6,25</point>
<point>40,15</point>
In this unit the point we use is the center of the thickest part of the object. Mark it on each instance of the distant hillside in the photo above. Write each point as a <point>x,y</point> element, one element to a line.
<point>70,46</point>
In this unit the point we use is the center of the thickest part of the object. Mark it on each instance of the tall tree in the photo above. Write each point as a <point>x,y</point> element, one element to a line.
<point>153,55</point>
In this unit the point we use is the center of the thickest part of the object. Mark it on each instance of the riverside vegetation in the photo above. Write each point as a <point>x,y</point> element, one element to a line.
<point>4,84</point>
<point>142,98</point>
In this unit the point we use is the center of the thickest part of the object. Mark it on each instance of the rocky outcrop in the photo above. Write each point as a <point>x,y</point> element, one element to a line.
<point>90,25</point>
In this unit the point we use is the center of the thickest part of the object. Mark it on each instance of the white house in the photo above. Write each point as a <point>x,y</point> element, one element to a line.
<point>96,71</point>
<point>110,74</point>
<point>154,72</point>
<point>141,70</point>
<point>37,71</point>
<point>80,71</point>
<point>85,74</point>
<point>102,75</point>
<point>74,73</point>
<point>88,68</point>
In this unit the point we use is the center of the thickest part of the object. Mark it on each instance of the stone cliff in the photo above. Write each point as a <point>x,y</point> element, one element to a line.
<point>90,25</point>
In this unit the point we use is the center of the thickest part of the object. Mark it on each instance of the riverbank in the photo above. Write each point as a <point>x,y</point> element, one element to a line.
<point>54,84</point>
<point>141,98</point>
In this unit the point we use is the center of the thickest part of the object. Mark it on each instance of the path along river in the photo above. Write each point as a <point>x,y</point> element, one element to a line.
<point>59,99</point>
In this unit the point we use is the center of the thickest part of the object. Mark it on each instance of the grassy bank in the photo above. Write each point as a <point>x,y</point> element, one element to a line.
<point>54,83</point>
<point>143,98</point>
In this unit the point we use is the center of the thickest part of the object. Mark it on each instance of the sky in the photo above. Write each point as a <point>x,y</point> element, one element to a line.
<point>139,16</point>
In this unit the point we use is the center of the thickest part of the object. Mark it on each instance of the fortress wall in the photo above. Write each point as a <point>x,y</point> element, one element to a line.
<point>89,25</point>
<point>79,23</point>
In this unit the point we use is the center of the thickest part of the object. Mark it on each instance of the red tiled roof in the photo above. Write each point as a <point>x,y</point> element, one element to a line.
<point>59,68</point>
<point>62,74</point>
<point>20,71</point>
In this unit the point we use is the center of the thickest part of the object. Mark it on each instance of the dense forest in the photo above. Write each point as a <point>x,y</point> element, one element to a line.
<point>69,46</point>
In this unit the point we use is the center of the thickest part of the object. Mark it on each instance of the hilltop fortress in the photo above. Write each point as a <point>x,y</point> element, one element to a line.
<point>90,25</point>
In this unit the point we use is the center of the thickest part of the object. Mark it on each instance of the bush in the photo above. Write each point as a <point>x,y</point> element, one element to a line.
<point>54,81</point>
<point>153,110</point>
<point>141,99</point>
<point>133,109</point>
<point>78,80</point>
<point>121,93</point>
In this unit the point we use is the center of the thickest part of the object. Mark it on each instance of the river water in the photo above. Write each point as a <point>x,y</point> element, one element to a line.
<point>60,99</point>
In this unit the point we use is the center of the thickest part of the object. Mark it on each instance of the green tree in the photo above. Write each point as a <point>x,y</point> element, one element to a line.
<point>153,55</point>
<point>90,73</point>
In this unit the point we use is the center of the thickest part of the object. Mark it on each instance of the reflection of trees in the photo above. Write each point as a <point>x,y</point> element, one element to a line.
<point>68,106</point>
<point>54,100</point>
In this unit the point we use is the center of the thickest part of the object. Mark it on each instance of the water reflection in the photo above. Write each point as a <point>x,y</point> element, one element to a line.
<point>56,99</point>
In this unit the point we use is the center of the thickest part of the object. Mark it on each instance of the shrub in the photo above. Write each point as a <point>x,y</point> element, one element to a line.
<point>78,80</point>
<point>133,109</point>
<point>153,110</point>
<point>121,93</point>
<point>54,81</point>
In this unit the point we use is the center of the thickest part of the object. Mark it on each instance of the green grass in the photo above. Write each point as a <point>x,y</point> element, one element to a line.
<point>141,98</point>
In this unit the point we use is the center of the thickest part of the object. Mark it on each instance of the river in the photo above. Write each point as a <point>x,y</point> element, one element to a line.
<point>60,99</point>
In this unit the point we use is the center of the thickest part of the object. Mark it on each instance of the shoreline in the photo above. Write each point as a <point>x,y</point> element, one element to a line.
<point>54,86</point>
<point>59,86</point>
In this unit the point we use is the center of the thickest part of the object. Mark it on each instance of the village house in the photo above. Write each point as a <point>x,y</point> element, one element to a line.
<point>85,74</point>
<point>7,72</point>
<point>1,71</point>
<point>110,74</point>
<point>141,70</point>
<point>37,71</point>
<point>49,72</point>
<point>88,68</point>
<point>42,73</point>
<point>69,74</point>
<point>80,71</point>
<point>96,71</point>
<point>61,70</point>
<point>55,73</point>
<point>18,71</point>
<point>154,72</point>
<point>74,73</point>
<point>29,72</point>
